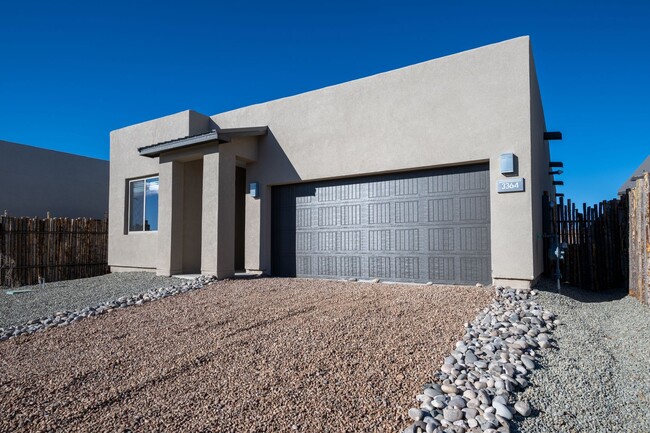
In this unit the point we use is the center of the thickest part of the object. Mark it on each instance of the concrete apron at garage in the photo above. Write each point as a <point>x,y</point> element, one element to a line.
<point>245,274</point>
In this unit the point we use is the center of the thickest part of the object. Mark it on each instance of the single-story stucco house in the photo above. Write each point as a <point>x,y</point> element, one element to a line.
<point>35,182</point>
<point>432,172</point>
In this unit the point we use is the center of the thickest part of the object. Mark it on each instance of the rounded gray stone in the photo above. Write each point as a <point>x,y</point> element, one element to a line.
<point>523,407</point>
<point>450,360</point>
<point>416,414</point>
<point>469,394</point>
<point>501,410</point>
<point>439,404</point>
<point>470,413</point>
<point>432,392</point>
<point>457,402</point>
<point>480,364</point>
<point>449,389</point>
<point>451,414</point>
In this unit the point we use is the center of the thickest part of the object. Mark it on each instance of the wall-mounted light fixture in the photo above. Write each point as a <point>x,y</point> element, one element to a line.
<point>254,189</point>
<point>558,182</point>
<point>554,164</point>
<point>555,172</point>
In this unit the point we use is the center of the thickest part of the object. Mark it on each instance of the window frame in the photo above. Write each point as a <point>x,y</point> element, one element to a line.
<point>144,204</point>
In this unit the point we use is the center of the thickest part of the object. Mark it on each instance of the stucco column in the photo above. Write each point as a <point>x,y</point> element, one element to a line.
<point>218,214</point>
<point>170,218</point>
<point>252,241</point>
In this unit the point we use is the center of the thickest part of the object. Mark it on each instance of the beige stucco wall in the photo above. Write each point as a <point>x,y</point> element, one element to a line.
<point>35,181</point>
<point>540,153</point>
<point>469,107</point>
<point>140,250</point>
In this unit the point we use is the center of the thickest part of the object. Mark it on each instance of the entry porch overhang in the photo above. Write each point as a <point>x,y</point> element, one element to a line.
<point>199,198</point>
<point>214,136</point>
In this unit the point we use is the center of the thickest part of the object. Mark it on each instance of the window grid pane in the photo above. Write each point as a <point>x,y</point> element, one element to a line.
<point>136,205</point>
<point>151,205</point>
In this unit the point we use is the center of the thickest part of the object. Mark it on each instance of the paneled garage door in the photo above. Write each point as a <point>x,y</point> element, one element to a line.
<point>431,225</point>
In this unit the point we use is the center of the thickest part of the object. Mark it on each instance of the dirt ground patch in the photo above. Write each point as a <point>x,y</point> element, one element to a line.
<point>265,355</point>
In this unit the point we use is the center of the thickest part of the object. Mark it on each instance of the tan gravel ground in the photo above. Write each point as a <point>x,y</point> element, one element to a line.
<point>265,355</point>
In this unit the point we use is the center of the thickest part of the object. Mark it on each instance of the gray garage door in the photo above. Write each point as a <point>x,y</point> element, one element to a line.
<point>431,225</point>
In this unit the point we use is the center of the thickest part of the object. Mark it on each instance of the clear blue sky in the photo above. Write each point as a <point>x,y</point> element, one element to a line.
<point>72,71</point>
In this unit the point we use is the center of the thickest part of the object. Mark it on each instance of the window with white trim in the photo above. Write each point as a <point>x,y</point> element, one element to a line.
<point>143,205</point>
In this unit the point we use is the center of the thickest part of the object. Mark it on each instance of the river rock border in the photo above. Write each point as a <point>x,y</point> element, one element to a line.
<point>65,318</point>
<point>476,388</point>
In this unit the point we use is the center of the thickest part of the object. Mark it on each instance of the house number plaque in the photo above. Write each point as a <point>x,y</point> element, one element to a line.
<point>510,185</point>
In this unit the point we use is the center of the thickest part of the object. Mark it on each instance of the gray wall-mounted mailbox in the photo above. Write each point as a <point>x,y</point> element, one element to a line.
<point>508,163</point>
<point>254,189</point>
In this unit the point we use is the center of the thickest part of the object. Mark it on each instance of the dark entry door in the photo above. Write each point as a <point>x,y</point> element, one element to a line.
<point>240,218</point>
<point>431,225</point>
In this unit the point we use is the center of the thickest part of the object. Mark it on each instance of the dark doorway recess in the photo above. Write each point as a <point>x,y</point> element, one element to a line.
<point>240,218</point>
<point>192,216</point>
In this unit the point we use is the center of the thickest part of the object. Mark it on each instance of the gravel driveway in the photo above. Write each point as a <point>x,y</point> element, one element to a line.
<point>243,355</point>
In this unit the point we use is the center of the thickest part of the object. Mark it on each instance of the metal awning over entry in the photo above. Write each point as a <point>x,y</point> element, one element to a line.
<point>218,136</point>
<point>430,225</point>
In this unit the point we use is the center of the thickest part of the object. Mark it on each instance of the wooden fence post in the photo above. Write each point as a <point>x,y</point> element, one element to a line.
<point>639,240</point>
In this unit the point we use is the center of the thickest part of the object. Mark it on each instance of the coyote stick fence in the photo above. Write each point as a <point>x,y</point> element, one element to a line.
<point>54,249</point>
<point>597,243</point>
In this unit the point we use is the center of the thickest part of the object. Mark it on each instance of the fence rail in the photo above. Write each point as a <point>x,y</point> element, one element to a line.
<point>53,248</point>
<point>639,198</point>
<point>597,241</point>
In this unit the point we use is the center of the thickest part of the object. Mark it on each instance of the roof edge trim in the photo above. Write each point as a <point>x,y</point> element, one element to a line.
<point>219,136</point>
